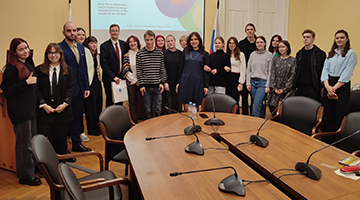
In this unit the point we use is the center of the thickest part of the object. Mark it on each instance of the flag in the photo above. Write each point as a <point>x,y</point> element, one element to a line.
<point>70,14</point>
<point>215,32</point>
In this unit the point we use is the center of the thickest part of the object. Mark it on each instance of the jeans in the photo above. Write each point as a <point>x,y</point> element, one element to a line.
<point>152,92</point>
<point>258,94</point>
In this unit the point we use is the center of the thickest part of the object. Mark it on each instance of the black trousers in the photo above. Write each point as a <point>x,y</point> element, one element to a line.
<point>308,91</point>
<point>57,134</point>
<point>170,99</point>
<point>335,110</point>
<point>231,87</point>
<point>93,106</point>
<point>77,105</point>
<point>244,101</point>
<point>136,103</point>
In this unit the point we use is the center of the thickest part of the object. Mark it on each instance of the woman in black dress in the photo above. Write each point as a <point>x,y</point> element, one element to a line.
<point>194,72</point>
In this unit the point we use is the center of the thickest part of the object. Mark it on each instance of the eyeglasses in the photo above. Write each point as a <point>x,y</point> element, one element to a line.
<point>53,53</point>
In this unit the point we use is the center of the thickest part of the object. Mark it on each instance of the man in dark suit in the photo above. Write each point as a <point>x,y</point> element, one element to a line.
<point>112,52</point>
<point>75,58</point>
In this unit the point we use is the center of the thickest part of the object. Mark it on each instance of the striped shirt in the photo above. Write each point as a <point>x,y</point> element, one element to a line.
<point>150,68</point>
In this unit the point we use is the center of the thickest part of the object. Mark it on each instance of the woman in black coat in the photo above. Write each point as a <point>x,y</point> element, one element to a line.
<point>19,86</point>
<point>54,97</point>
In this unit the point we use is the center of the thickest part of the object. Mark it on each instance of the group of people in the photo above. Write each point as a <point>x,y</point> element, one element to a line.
<point>50,99</point>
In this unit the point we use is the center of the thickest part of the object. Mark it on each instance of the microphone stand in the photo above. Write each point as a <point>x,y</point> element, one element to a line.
<point>230,184</point>
<point>312,171</point>
<point>214,120</point>
<point>195,147</point>
<point>190,129</point>
<point>261,141</point>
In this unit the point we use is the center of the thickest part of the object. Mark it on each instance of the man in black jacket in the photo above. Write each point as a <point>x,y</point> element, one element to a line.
<point>310,61</point>
<point>247,46</point>
<point>112,52</point>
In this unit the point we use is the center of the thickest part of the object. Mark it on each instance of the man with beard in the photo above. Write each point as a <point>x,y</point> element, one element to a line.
<point>74,54</point>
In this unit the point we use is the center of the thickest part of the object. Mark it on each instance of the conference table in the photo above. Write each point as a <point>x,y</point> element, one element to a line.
<point>152,161</point>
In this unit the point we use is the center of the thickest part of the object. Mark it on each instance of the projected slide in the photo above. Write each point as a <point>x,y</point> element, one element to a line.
<point>164,17</point>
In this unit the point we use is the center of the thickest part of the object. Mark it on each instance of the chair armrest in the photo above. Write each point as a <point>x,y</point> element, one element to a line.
<point>322,134</point>
<point>202,105</point>
<point>106,183</point>
<point>356,153</point>
<point>275,117</point>
<point>234,109</point>
<point>131,121</point>
<point>92,181</point>
<point>83,154</point>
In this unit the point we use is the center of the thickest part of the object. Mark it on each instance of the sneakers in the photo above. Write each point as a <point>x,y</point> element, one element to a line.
<point>31,181</point>
<point>84,137</point>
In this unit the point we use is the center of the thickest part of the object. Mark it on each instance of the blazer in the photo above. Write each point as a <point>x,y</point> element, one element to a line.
<point>109,61</point>
<point>63,93</point>
<point>79,70</point>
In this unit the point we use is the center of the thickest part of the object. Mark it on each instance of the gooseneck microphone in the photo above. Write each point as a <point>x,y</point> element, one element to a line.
<point>230,184</point>
<point>312,171</point>
<point>166,136</point>
<point>190,129</point>
<point>261,141</point>
<point>195,147</point>
<point>214,120</point>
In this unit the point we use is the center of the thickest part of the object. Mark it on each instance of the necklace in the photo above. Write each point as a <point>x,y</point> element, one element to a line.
<point>197,53</point>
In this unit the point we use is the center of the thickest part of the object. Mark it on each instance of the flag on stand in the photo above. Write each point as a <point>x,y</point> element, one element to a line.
<point>70,14</point>
<point>215,32</point>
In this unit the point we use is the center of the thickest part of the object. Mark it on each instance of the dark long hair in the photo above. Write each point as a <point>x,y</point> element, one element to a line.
<point>271,48</point>
<point>44,68</point>
<point>88,40</point>
<point>13,59</point>
<point>201,46</point>
<point>335,46</point>
<point>236,50</point>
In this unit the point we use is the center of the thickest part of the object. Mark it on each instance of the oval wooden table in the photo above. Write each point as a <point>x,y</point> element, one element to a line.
<point>152,161</point>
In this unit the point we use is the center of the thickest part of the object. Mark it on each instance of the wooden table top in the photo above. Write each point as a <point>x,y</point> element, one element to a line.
<point>152,161</point>
<point>287,147</point>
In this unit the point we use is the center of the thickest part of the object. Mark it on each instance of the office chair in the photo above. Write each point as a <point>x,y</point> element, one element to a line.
<point>301,113</point>
<point>74,189</point>
<point>114,122</point>
<point>349,125</point>
<point>48,164</point>
<point>222,103</point>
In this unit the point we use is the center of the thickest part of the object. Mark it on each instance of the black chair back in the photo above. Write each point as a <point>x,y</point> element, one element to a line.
<point>45,155</point>
<point>222,103</point>
<point>352,125</point>
<point>71,183</point>
<point>354,102</point>
<point>117,123</point>
<point>300,113</point>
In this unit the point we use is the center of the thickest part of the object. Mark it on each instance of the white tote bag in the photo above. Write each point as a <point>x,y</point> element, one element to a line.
<point>119,92</point>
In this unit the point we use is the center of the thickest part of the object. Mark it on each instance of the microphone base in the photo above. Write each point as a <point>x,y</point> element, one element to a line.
<point>231,184</point>
<point>192,129</point>
<point>214,121</point>
<point>259,141</point>
<point>195,147</point>
<point>311,171</point>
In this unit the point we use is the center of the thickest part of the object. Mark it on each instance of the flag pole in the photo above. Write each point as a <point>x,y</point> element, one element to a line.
<point>70,14</point>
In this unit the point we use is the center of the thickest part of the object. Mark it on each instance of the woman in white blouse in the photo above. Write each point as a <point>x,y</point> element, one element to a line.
<point>129,64</point>
<point>238,69</point>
